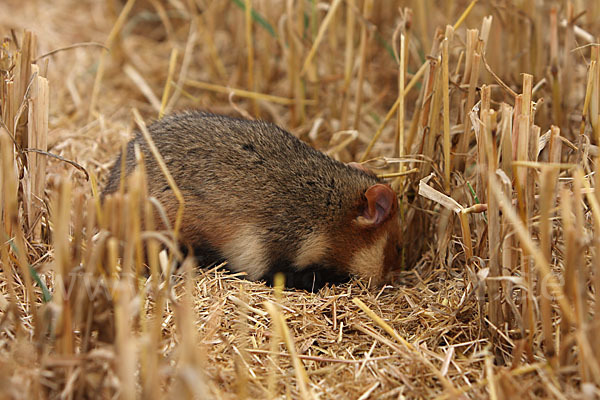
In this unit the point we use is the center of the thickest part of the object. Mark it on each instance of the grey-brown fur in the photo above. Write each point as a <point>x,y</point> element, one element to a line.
<point>244,173</point>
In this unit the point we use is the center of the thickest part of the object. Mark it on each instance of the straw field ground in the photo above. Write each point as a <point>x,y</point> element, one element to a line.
<point>483,115</point>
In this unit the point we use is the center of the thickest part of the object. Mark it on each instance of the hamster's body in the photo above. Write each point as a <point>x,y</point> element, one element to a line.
<point>265,201</point>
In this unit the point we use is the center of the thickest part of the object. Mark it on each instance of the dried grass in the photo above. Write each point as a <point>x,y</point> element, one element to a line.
<point>490,136</point>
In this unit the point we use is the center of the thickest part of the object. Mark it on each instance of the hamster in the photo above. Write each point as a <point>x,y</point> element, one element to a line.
<point>260,198</point>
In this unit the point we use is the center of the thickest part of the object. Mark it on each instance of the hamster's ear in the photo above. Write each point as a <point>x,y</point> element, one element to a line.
<point>381,202</point>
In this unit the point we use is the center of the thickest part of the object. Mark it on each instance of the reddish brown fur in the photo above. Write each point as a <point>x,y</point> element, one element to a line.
<point>355,238</point>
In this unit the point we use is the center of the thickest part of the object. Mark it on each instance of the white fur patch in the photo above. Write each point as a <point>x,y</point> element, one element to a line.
<point>368,261</point>
<point>312,250</point>
<point>247,253</point>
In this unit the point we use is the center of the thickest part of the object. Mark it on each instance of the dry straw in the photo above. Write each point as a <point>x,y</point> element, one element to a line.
<point>484,116</point>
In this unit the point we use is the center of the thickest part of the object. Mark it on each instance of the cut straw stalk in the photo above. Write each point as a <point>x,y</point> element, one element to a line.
<point>293,69</point>
<point>566,71</point>
<point>322,29</point>
<point>12,238</point>
<point>245,93</point>
<point>472,72</point>
<point>62,264</point>
<point>8,209</point>
<point>37,131</point>
<point>401,85</point>
<point>446,111</point>
<point>284,332</point>
<point>548,180</point>
<point>348,61</point>
<point>143,86</point>
<point>578,184</point>
<point>493,215</point>
<point>416,139</point>
<point>242,343</point>
<point>466,235</point>
<point>420,6</point>
<point>526,140</point>
<point>168,83</point>
<point>594,110</point>
<point>21,85</point>
<point>133,257</point>
<point>250,52</point>
<point>112,36</point>
<point>28,55</point>
<point>188,57</point>
<point>392,111</point>
<point>595,202</point>
<point>126,341</point>
<point>364,38</point>
<point>506,139</point>
<point>465,14</point>
<point>432,128</point>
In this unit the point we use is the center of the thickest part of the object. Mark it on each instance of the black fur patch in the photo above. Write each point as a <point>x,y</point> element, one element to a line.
<point>311,278</point>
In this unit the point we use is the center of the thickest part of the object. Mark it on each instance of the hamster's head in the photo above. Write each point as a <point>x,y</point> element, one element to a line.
<point>369,245</point>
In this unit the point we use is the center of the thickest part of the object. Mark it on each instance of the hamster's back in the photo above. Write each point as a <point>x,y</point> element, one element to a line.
<point>248,167</point>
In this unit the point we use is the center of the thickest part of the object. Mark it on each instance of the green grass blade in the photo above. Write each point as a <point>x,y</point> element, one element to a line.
<point>257,17</point>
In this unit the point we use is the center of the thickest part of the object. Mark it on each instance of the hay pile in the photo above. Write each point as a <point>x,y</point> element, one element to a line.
<point>483,115</point>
